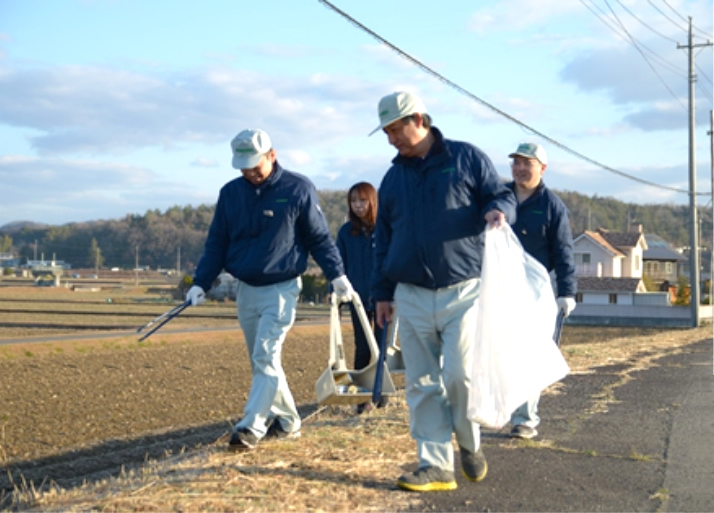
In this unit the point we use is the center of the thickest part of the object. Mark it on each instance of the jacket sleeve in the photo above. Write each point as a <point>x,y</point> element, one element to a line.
<point>317,237</point>
<point>561,249</point>
<point>215,249</point>
<point>342,246</point>
<point>494,194</point>
<point>381,288</point>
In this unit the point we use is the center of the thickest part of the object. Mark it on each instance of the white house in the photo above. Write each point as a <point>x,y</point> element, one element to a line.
<point>594,290</point>
<point>609,266</point>
<point>611,254</point>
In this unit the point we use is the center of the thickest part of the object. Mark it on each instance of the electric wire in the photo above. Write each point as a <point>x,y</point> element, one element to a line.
<point>645,24</point>
<point>606,20</point>
<point>709,36</point>
<point>470,95</point>
<point>702,73</point>
<point>644,56</point>
<point>667,17</point>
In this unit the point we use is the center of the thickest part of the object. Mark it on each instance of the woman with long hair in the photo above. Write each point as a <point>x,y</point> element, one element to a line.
<point>355,240</point>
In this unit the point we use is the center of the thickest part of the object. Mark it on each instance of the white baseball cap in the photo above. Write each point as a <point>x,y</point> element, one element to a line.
<point>248,147</point>
<point>531,151</point>
<point>396,106</point>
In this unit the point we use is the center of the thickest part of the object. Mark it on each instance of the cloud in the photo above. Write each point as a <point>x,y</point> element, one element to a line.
<point>517,15</point>
<point>94,110</point>
<point>343,172</point>
<point>654,101</point>
<point>621,73</point>
<point>204,162</point>
<point>58,190</point>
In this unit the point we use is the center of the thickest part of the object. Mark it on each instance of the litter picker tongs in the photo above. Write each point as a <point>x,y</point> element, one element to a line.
<point>164,318</point>
<point>559,327</point>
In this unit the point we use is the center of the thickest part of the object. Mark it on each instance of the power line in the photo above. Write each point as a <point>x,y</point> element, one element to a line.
<point>643,55</point>
<point>685,19</point>
<point>463,91</point>
<point>701,72</point>
<point>603,16</point>
<point>606,20</point>
<point>665,15</point>
<point>645,24</point>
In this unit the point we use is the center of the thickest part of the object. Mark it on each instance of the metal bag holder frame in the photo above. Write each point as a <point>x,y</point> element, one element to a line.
<point>340,385</point>
<point>395,361</point>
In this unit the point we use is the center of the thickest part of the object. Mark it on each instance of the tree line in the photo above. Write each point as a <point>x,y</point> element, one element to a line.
<point>174,238</point>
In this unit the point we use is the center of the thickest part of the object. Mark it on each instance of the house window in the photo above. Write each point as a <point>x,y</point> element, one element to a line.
<point>668,267</point>
<point>637,263</point>
<point>582,258</point>
<point>613,299</point>
<point>579,297</point>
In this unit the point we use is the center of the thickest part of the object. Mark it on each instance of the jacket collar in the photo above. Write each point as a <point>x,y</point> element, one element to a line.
<point>537,192</point>
<point>272,178</point>
<point>437,149</point>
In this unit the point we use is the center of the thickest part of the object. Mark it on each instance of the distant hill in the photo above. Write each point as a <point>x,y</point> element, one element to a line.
<point>175,238</point>
<point>18,226</point>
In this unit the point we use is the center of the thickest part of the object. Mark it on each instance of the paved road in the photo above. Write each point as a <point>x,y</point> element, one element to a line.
<point>648,447</point>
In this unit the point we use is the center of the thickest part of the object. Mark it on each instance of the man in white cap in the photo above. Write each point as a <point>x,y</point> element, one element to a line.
<point>543,227</point>
<point>266,223</point>
<point>434,204</point>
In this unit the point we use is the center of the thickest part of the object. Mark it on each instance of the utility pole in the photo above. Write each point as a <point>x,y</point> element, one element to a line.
<point>178,262</point>
<point>136,267</point>
<point>710,133</point>
<point>693,222</point>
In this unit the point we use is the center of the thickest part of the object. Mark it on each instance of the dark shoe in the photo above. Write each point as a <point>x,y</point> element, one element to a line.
<point>473,465</point>
<point>361,408</point>
<point>276,432</point>
<point>428,479</point>
<point>523,431</point>
<point>243,439</point>
<point>382,402</point>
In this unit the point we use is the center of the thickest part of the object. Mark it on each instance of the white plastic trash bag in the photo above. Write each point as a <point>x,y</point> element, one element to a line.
<point>514,356</point>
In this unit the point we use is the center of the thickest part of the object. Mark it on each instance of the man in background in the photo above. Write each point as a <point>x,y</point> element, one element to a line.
<point>543,227</point>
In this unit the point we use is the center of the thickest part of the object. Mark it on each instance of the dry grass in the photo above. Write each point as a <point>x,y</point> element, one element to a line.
<point>342,462</point>
<point>335,466</point>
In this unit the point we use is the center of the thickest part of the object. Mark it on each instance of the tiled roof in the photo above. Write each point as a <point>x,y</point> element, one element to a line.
<point>621,239</point>
<point>597,237</point>
<point>605,284</point>
<point>659,249</point>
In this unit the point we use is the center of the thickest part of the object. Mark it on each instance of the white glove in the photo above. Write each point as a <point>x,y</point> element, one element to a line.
<point>196,295</point>
<point>566,305</point>
<point>343,289</point>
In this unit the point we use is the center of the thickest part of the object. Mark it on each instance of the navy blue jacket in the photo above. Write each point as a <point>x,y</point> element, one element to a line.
<point>543,227</point>
<point>431,217</point>
<point>262,235</point>
<point>357,253</point>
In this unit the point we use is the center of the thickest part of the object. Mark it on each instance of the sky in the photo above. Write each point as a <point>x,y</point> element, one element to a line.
<point>117,107</point>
